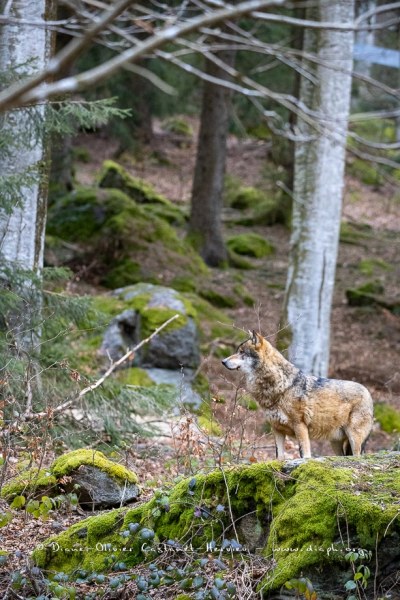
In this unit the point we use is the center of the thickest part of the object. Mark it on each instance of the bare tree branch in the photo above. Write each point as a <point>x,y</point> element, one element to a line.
<point>30,92</point>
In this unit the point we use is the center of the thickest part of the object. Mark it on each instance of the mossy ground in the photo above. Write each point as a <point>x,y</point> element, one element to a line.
<point>306,517</point>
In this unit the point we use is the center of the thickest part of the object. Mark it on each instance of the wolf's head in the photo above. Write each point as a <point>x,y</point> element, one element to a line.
<point>249,355</point>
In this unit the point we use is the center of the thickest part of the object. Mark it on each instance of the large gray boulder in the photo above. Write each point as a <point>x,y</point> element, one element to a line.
<point>147,307</point>
<point>97,489</point>
<point>97,481</point>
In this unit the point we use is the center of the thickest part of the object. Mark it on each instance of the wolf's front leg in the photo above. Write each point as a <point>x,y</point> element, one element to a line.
<point>279,445</point>
<point>302,436</point>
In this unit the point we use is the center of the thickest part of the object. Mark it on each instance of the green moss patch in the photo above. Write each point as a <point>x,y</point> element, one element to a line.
<point>244,294</point>
<point>217,299</point>
<point>134,376</point>
<point>368,266</point>
<point>372,294</point>
<point>250,244</point>
<point>33,482</point>
<point>179,126</point>
<point>365,295</point>
<point>354,233</point>
<point>387,416</point>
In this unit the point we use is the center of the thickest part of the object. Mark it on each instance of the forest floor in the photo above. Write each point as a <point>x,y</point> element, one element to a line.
<point>365,343</point>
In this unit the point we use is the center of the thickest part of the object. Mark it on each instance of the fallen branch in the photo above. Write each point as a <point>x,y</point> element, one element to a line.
<point>50,412</point>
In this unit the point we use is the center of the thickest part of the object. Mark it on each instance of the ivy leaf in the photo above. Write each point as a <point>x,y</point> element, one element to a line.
<point>18,502</point>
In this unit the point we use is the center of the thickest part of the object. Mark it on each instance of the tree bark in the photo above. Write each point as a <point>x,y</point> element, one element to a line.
<point>24,49</point>
<point>205,218</point>
<point>318,187</point>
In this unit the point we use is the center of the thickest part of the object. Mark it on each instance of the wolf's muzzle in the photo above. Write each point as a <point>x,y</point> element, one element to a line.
<point>226,364</point>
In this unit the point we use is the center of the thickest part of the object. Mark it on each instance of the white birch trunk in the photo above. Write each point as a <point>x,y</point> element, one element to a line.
<point>22,227</point>
<point>318,187</point>
<point>22,231</point>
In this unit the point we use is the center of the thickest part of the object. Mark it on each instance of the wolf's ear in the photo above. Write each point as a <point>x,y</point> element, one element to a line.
<point>256,338</point>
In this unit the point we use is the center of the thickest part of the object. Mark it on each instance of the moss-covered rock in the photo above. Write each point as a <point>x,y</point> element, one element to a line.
<point>34,482</point>
<point>387,416</point>
<point>246,197</point>
<point>303,515</point>
<point>113,175</point>
<point>250,244</point>
<point>143,308</point>
<point>97,481</point>
<point>126,241</point>
<point>71,461</point>
<point>258,206</point>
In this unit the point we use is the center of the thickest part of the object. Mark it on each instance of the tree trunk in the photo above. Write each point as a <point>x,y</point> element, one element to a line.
<point>208,183</point>
<point>24,49</point>
<point>318,187</point>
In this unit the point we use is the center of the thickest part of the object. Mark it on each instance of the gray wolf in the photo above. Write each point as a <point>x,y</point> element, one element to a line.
<point>302,406</point>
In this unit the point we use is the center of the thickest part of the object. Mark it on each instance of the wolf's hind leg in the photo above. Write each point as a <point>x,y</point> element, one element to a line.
<point>356,439</point>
